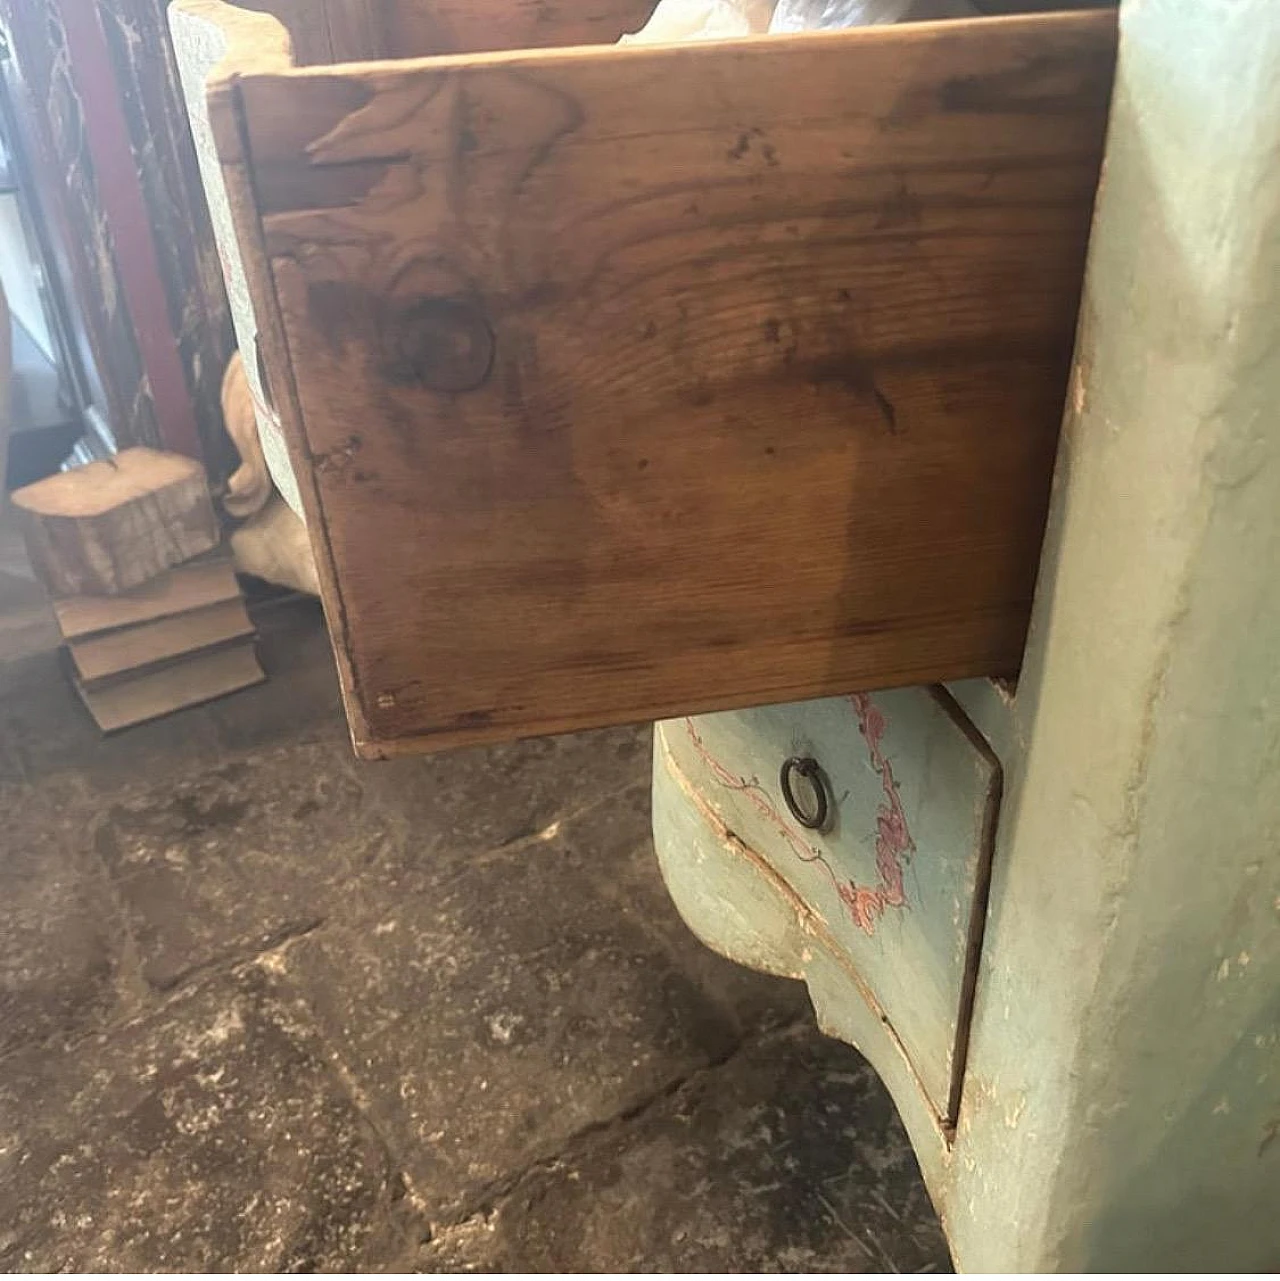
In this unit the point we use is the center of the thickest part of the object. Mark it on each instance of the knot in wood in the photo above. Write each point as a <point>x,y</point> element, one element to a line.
<point>439,344</point>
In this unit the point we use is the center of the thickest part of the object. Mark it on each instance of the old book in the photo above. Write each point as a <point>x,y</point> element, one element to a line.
<point>126,649</point>
<point>199,583</point>
<point>197,679</point>
<point>111,525</point>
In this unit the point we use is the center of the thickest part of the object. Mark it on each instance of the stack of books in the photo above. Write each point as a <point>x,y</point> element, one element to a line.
<point>145,596</point>
<point>181,639</point>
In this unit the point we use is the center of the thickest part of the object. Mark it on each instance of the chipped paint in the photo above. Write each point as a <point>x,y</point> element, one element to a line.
<point>1014,1109</point>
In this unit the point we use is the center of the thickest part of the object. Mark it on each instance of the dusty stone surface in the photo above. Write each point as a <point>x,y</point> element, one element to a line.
<point>266,1007</point>
<point>503,1010</point>
<point>223,864</point>
<point>210,1134</point>
<point>483,801</point>
<point>788,1157</point>
<point>59,950</point>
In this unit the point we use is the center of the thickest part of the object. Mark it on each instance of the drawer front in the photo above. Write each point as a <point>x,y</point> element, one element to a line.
<point>629,382</point>
<point>897,875</point>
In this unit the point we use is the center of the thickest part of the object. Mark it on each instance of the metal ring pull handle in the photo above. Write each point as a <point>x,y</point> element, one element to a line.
<point>815,816</point>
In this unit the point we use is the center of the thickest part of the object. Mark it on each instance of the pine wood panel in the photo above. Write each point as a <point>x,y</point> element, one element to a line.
<point>325,31</point>
<point>640,382</point>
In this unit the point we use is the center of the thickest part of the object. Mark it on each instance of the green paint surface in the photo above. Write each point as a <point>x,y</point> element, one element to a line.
<point>1121,1107</point>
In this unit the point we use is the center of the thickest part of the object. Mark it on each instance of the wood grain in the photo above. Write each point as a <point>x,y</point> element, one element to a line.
<point>645,381</point>
<point>114,524</point>
<point>325,31</point>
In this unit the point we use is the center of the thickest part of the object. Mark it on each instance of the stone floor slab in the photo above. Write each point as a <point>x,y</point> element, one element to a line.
<point>61,938</point>
<point>53,736</point>
<point>484,800</point>
<point>212,1135</point>
<point>489,1021</point>
<point>264,1006</point>
<point>225,862</point>
<point>789,1158</point>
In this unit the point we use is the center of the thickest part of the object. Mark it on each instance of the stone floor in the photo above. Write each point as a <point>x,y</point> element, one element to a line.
<point>264,1007</point>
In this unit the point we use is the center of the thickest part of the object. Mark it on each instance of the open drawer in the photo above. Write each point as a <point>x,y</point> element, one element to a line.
<point>622,383</point>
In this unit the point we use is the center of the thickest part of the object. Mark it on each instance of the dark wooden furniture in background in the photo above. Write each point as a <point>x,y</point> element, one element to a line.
<point>93,86</point>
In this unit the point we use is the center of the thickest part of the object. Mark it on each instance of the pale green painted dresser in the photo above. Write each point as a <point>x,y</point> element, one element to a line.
<point>1097,848</point>
<point>723,386</point>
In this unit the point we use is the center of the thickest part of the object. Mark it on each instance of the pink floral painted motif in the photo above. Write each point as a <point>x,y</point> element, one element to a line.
<point>893,839</point>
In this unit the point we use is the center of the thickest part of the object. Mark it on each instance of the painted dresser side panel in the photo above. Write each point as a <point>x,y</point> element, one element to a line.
<point>893,874</point>
<point>740,908</point>
<point>1121,1109</point>
<point>1123,1103</point>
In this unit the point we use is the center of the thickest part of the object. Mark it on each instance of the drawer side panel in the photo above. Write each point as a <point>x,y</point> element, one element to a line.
<point>649,381</point>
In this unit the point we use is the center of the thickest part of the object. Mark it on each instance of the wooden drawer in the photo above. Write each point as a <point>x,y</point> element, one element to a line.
<point>622,383</point>
<point>895,881</point>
